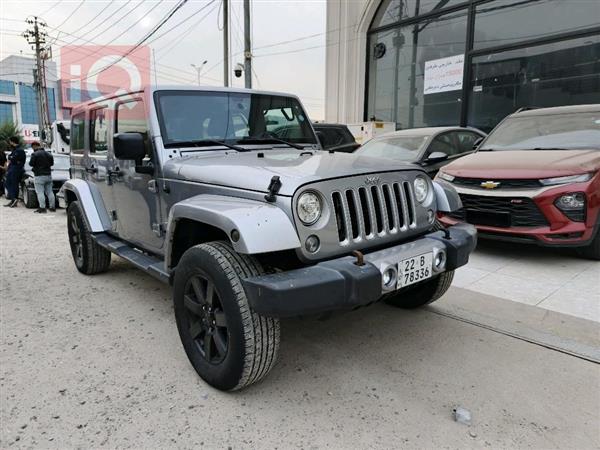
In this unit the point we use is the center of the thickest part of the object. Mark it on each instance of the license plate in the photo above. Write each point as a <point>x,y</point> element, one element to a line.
<point>415,269</point>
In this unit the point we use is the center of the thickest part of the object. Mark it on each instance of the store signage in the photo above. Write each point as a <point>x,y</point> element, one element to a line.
<point>30,132</point>
<point>444,74</point>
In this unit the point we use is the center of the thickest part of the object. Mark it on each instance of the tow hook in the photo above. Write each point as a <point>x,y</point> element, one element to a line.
<point>360,258</point>
<point>273,189</point>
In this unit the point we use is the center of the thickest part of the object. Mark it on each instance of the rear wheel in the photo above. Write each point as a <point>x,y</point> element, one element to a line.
<point>29,196</point>
<point>228,344</point>
<point>88,256</point>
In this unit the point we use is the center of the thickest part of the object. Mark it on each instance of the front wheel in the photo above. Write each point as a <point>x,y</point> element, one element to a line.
<point>89,257</point>
<point>421,293</point>
<point>228,344</point>
<point>592,251</point>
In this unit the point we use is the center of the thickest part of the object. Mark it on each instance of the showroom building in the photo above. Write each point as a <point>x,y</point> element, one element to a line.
<point>447,62</point>
<point>18,97</point>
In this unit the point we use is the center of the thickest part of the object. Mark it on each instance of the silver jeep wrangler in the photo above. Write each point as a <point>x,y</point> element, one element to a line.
<point>226,195</point>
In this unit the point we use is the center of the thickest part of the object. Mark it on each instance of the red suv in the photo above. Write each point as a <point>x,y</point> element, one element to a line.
<point>535,178</point>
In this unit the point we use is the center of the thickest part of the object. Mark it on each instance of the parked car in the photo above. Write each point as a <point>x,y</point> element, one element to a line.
<point>535,179</point>
<point>431,147</point>
<point>246,226</point>
<point>335,137</point>
<point>60,174</point>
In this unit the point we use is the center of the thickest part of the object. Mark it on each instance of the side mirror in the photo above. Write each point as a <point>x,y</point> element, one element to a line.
<point>477,142</point>
<point>129,146</point>
<point>436,157</point>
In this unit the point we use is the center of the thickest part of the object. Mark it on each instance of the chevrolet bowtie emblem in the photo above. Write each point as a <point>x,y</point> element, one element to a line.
<point>489,184</point>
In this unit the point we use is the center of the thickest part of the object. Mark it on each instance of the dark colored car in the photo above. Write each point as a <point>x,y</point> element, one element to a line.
<point>536,179</point>
<point>431,147</point>
<point>336,137</point>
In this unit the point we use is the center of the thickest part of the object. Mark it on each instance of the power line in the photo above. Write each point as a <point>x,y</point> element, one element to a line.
<point>98,15</point>
<point>182,22</point>
<point>72,13</point>
<point>183,35</point>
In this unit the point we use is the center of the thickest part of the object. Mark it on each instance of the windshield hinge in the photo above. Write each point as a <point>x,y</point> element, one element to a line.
<point>273,188</point>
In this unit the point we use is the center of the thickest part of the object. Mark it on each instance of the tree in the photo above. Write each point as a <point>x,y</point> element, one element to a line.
<point>7,130</point>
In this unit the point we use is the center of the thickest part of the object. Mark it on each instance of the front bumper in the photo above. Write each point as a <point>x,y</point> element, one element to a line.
<point>342,284</point>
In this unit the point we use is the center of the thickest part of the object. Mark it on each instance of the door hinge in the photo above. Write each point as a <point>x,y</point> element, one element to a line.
<point>113,214</point>
<point>153,186</point>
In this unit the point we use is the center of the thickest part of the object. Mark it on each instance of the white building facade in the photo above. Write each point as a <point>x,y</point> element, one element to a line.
<point>458,62</point>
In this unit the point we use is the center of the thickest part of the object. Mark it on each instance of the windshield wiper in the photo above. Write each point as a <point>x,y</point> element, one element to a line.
<point>550,148</point>
<point>204,143</point>
<point>269,139</point>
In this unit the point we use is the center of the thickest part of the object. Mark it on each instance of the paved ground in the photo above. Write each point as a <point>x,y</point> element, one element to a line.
<point>96,362</point>
<point>556,280</point>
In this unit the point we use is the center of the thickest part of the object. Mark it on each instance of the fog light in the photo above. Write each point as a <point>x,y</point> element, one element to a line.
<point>439,261</point>
<point>575,200</point>
<point>389,277</point>
<point>312,244</point>
<point>430,215</point>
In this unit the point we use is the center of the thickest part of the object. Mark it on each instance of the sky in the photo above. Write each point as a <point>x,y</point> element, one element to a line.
<point>288,38</point>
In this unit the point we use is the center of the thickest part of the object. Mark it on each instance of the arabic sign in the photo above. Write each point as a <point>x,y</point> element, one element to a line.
<point>444,74</point>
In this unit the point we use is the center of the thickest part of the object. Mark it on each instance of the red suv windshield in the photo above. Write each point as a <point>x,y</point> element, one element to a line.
<point>552,131</point>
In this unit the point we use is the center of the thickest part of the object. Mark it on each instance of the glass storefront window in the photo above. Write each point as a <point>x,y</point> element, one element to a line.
<point>29,108</point>
<point>7,87</point>
<point>397,72</point>
<point>392,11</point>
<point>504,22</point>
<point>561,73</point>
<point>6,112</point>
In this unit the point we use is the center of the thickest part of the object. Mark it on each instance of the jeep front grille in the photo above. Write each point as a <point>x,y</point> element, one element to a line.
<point>373,211</point>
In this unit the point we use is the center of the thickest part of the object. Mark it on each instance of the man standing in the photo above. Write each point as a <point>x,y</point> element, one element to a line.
<point>41,162</point>
<point>16,164</point>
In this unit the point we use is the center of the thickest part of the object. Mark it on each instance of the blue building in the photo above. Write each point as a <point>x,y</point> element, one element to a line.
<point>18,99</point>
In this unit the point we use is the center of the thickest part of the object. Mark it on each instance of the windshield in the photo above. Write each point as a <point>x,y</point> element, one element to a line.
<point>568,131</point>
<point>228,116</point>
<point>403,148</point>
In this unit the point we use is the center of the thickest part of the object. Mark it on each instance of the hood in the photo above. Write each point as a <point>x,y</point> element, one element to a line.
<point>249,171</point>
<point>524,164</point>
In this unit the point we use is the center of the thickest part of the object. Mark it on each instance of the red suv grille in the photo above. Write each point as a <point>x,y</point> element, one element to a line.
<point>499,211</point>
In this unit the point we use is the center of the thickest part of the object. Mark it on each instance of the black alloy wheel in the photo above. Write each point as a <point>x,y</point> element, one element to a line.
<point>205,318</point>
<point>76,238</point>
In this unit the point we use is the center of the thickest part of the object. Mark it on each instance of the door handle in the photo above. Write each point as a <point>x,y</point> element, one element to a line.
<point>91,169</point>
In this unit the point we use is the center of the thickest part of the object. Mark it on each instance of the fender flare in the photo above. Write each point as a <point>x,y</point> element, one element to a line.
<point>263,227</point>
<point>91,202</point>
<point>446,196</point>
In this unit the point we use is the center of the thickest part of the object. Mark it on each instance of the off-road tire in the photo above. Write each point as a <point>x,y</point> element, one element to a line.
<point>592,251</point>
<point>252,340</point>
<point>422,293</point>
<point>29,196</point>
<point>89,257</point>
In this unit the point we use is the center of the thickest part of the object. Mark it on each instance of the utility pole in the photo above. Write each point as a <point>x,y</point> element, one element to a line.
<point>225,43</point>
<point>247,46</point>
<point>36,37</point>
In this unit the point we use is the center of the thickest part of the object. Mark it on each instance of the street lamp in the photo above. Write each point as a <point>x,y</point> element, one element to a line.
<point>199,69</point>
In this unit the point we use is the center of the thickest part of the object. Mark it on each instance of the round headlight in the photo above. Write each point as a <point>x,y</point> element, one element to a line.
<point>309,208</point>
<point>421,189</point>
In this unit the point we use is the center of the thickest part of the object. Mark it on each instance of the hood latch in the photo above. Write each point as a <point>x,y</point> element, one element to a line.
<point>273,188</point>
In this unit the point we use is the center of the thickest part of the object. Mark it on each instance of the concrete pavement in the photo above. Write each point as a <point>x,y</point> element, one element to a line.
<point>97,362</point>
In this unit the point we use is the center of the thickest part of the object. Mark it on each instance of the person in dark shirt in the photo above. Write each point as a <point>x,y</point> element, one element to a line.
<point>41,162</point>
<point>16,164</point>
<point>2,171</point>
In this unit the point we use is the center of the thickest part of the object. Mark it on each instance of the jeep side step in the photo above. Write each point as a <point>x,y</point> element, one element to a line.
<point>149,264</point>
